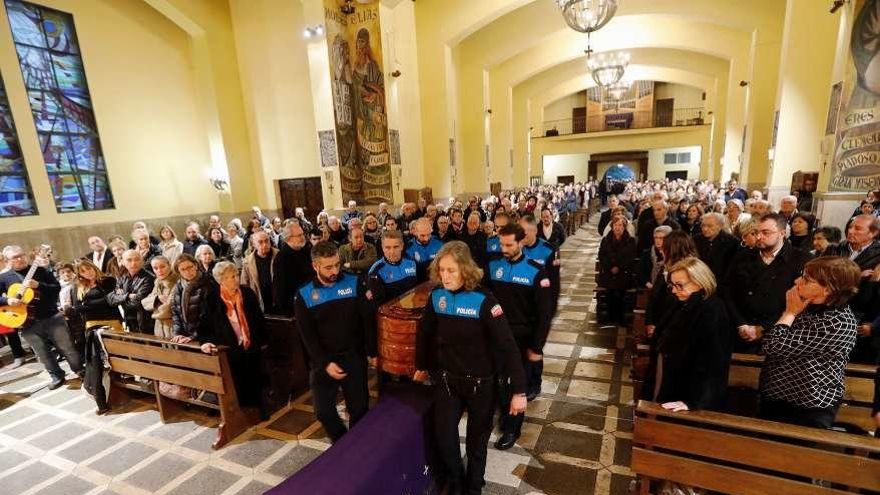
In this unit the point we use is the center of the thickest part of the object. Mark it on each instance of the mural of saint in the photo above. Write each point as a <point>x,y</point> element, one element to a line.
<point>343,107</point>
<point>372,124</point>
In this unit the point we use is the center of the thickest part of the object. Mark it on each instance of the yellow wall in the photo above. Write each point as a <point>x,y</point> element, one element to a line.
<point>145,99</point>
<point>657,169</point>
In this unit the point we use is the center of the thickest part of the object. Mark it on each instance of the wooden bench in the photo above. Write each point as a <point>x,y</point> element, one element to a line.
<point>746,456</point>
<point>858,399</point>
<point>158,359</point>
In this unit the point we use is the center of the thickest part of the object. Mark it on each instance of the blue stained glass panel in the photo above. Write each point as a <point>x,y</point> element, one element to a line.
<point>54,75</point>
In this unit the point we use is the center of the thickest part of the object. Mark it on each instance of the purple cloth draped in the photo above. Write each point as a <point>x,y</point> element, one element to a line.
<point>385,453</point>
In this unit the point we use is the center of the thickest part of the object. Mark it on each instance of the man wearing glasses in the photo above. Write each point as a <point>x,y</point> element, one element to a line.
<point>757,280</point>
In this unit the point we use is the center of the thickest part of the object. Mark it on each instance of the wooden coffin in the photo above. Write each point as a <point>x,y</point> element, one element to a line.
<point>397,324</point>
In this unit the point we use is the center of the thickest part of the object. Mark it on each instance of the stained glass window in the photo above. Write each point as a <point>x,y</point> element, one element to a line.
<point>55,79</point>
<point>16,197</point>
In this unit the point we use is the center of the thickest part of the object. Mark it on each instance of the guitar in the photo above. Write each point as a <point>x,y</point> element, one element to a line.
<point>12,317</point>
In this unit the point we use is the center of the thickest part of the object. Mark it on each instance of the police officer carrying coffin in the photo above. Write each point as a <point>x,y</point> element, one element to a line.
<point>423,248</point>
<point>493,244</point>
<point>391,275</point>
<point>522,286</point>
<point>462,331</point>
<point>336,323</point>
<point>546,255</point>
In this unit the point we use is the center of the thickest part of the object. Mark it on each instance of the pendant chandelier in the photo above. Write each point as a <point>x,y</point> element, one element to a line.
<point>618,89</point>
<point>587,16</point>
<point>608,68</point>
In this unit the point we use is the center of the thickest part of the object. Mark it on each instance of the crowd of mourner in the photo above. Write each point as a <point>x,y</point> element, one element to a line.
<point>725,271</point>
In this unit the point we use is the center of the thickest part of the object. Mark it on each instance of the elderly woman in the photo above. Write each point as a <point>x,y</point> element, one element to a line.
<point>621,211</point>
<point>236,243</point>
<point>169,245</point>
<point>651,260</point>
<point>802,380</point>
<point>617,253</point>
<point>205,257</point>
<point>237,322</point>
<point>189,310</point>
<point>735,213</point>
<point>691,221</point>
<point>694,345</point>
<point>159,300</point>
<point>114,267</point>
<point>747,232</point>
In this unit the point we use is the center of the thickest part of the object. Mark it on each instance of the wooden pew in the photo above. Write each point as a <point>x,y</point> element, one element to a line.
<point>746,456</point>
<point>854,413</point>
<point>158,359</point>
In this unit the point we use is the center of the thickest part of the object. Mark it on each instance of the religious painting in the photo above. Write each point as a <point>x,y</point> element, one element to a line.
<point>394,139</point>
<point>328,148</point>
<point>354,42</point>
<point>833,108</point>
<point>54,77</point>
<point>856,160</point>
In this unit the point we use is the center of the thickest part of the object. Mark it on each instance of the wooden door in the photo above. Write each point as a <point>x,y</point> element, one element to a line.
<point>663,112</point>
<point>578,120</point>
<point>305,193</point>
<point>565,179</point>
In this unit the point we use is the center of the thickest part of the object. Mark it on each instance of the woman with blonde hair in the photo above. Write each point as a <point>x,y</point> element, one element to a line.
<point>694,342</point>
<point>159,300</point>
<point>462,332</point>
<point>114,267</point>
<point>89,299</point>
<point>169,245</point>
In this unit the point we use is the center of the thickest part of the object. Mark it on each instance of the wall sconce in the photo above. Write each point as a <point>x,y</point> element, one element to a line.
<point>396,73</point>
<point>313,31</point>
<point>219,183</point>
<point>836,5</point>
<point>743,84</point>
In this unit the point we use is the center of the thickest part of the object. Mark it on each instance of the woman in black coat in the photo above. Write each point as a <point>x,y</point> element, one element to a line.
<point>695,343</point>
<point>617,255</point>
<point>89,297</point>
<point>237,322</point>
<point>221,247</point>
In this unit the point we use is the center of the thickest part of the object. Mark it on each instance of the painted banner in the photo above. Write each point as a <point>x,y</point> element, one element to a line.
<point>857,149</point>
<point>354,41</point>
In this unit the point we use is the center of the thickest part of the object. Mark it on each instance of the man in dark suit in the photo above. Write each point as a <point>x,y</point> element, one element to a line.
<point>715,246</point>
<point>757,280</point>
<point>659,216</point>
<point>863,248</point>
<point>99,255</point>
<point>550,231</point>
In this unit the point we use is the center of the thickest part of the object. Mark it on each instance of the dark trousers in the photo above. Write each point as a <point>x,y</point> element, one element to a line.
<point>533,370</point>
<point>452,398</point>
<point>616,305</point>
<point>15,344</point>
<point>43,334</point>
<point>785,412</point>
<point>354,390</point>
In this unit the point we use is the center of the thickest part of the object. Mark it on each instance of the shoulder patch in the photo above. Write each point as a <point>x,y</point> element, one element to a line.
<point>497,311</point>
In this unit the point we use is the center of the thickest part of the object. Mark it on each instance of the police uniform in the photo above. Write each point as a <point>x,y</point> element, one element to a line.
<point>423,254</point>
<point>387,280</point>
<point>523,289</point>
<point>493,246</point>
<point>460,335</point>
<point>544,254</point>
<point>337,325</point>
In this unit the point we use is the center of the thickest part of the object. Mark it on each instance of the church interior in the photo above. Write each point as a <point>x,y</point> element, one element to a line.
<point>285,133</point>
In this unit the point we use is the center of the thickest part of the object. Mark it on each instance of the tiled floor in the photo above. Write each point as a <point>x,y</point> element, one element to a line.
<point>576,439</point>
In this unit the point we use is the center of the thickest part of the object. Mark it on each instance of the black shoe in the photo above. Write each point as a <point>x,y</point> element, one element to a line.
<point>506,441</point>
<point>56,382</point>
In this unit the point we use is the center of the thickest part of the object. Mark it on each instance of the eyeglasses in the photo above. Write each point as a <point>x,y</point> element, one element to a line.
<point>677,286</point>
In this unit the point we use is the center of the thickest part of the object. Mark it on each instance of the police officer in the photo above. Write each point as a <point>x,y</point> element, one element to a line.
<point>493,244</point>
<point>392,275</point>
<point>462,330</point>
<point>546,255</point>
<point>336,323</point>
<point>423,248</point>
<point>522,287</point>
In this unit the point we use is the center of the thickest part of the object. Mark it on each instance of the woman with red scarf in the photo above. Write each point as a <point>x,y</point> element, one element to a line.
<point>237,322</point>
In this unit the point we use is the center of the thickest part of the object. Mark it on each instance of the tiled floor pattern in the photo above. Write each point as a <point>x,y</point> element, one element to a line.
<point>576,439</point>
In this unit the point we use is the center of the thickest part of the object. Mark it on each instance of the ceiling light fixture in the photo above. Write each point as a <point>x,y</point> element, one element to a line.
<point>608,68</point>
<point>587,16</point>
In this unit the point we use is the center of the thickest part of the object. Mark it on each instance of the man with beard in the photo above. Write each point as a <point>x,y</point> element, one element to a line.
<point>423,248</point>
<point>522,287</point>
<point>292,266</point>
<point>757,281</point>
<point>336,322</point>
